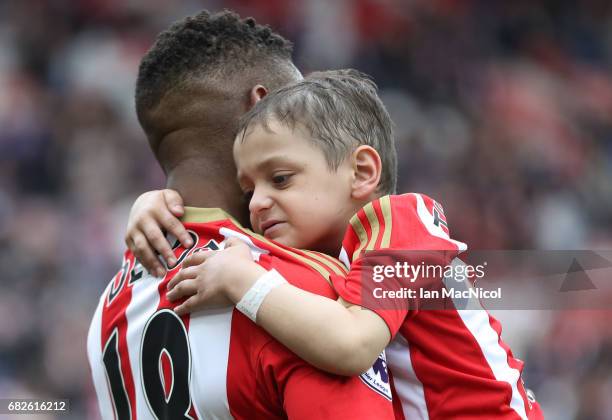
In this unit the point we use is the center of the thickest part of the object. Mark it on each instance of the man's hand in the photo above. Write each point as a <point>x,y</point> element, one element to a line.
<point>152,213</point>
<point>214,278</point>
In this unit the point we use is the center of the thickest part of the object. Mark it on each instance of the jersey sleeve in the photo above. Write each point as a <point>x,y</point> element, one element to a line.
<point>306,392</point>
<point>389,244</point>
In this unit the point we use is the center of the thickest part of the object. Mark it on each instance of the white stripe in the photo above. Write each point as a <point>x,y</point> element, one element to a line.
<point>407,386</point>
<point>428,221</point>
<point>209,337</point>
<point>143,304</point>
<point>476,319</point>
<point>94,354</point>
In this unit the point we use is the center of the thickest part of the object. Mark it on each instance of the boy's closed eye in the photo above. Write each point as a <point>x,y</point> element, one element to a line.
<point>280,180</point>
<point>247,195</point>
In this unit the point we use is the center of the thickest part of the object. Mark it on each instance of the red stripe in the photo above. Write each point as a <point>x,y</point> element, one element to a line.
<point>164,303</point>
<point>403,208</point>
<point>350,242</point>
<point>368,230</point>
<point>113,316</point>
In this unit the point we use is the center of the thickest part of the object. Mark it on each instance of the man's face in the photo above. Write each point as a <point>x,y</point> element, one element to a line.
<point>294,197</point>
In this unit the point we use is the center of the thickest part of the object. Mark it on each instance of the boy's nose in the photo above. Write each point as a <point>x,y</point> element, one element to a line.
<point>259,201</point>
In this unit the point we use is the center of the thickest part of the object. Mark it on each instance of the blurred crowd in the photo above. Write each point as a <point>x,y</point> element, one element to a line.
<point>503,113</point>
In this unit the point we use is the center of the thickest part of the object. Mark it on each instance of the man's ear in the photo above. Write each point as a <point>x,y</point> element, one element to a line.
<point>256,94</point>
<point>367,168</point>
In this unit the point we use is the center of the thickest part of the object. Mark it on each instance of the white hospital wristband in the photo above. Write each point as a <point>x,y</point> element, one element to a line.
<point>252,299</point>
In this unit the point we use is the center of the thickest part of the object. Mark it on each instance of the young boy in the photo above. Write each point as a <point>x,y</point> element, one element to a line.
<point>311,158</point>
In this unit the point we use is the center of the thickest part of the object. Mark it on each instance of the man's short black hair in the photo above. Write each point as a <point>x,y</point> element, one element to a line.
<point>208,46</point>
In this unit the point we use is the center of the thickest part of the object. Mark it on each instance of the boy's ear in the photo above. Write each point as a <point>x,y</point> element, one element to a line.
<point>256,94</point>
<point>367,168</point>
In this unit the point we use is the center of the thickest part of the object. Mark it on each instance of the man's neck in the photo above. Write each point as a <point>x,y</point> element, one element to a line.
<point>201,189</point>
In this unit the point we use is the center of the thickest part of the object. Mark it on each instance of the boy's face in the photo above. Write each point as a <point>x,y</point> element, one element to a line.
<point>294,197</point>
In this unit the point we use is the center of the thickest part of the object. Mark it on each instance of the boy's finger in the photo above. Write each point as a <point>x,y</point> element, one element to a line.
<point>179,277</point>
<point>174,226</point>
<point>197,258</point>
<point>143,252</point>
<point>193,303</point>
<point>191,272</point>
<point>186,307</point>
<point>190,305</point>
<point>231,242</point>
<point>158,241</point>
<point>185,288</point>
<point>174,202</point>
<point>181,310</point>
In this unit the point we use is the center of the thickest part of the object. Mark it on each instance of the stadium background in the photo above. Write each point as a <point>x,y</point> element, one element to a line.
<point>503,113</point>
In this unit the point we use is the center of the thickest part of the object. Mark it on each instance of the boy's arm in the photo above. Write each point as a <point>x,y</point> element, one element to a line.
<point>334,336</point>
<point>347,338</point>
<point>327,334</point>
<point>322,331</point>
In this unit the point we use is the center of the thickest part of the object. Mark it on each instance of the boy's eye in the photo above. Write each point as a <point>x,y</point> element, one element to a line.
<point>247,195</point>
<point>280,179</point>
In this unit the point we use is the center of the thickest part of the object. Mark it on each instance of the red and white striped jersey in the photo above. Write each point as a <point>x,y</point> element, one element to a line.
<point>148,363</point>
<point>443,363</point>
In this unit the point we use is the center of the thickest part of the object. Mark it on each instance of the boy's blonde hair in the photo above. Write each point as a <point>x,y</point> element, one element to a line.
<point>341,110</point>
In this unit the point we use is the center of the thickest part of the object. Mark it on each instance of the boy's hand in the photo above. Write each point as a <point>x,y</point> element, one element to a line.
<point>214,278</point>
<point>153,212</point>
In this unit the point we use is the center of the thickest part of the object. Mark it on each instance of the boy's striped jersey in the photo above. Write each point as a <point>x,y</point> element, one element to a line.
<point>148,363</point>
<point>443,363</point>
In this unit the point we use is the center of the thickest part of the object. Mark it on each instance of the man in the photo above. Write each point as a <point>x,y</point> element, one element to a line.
<point>193,85</point>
